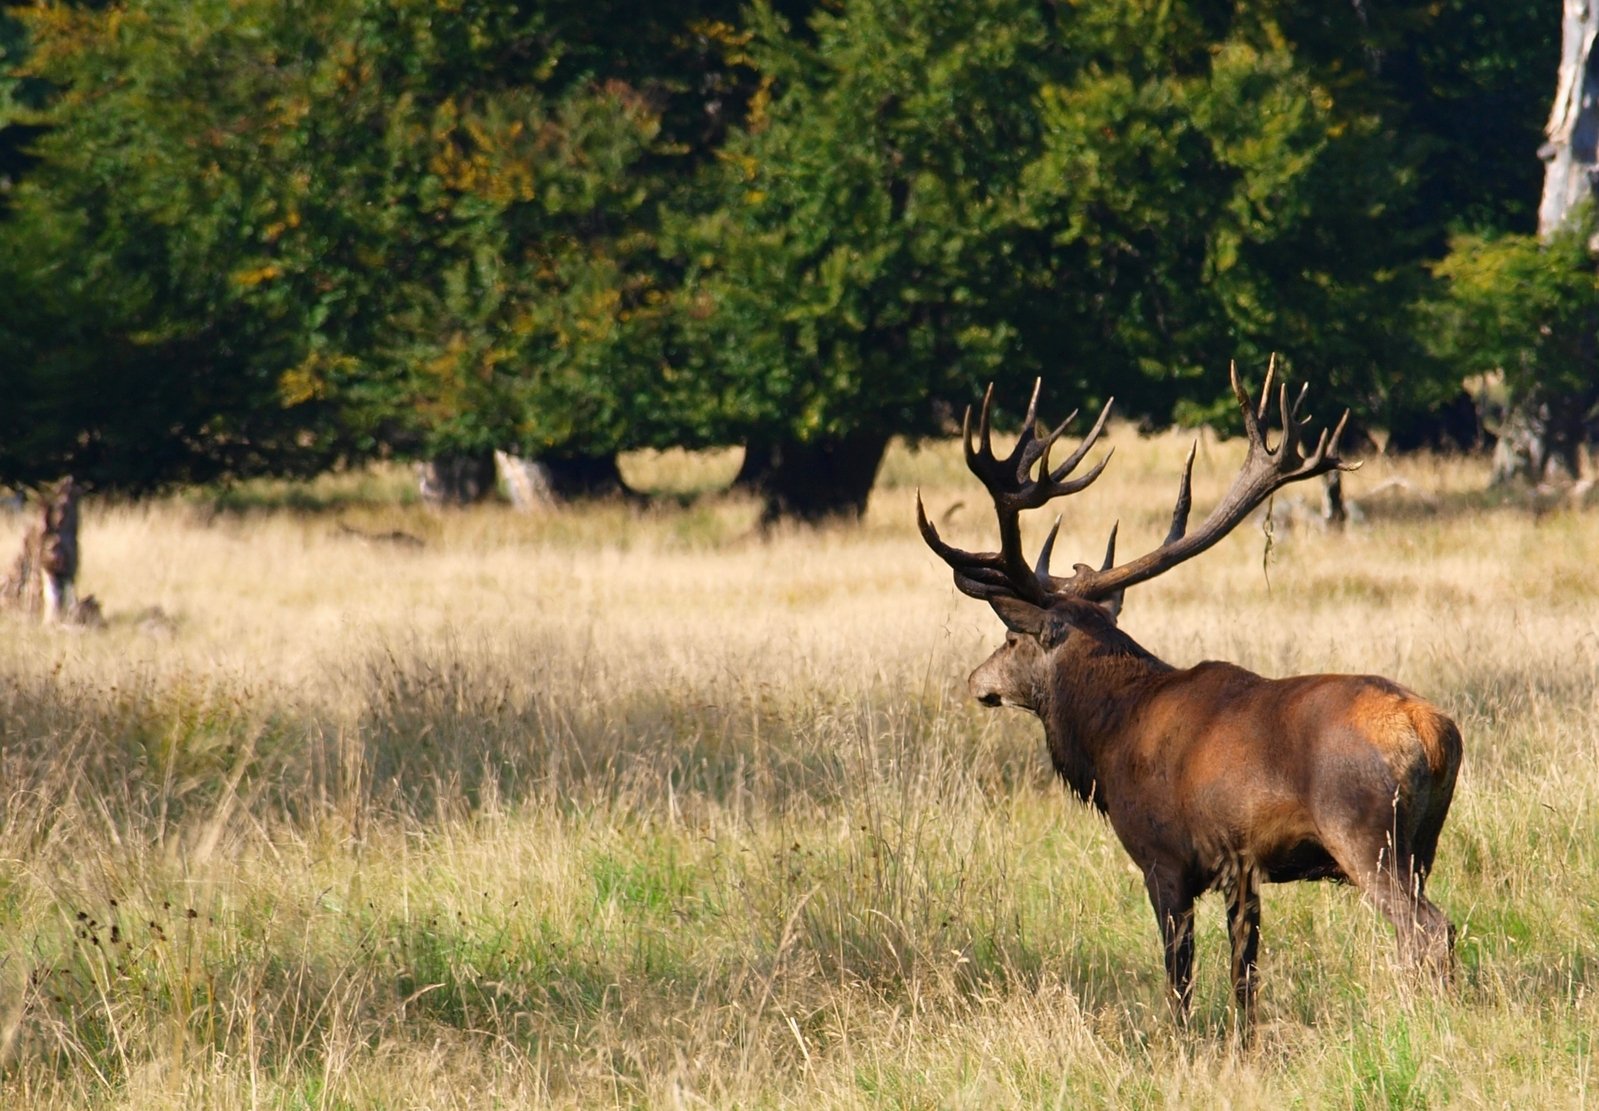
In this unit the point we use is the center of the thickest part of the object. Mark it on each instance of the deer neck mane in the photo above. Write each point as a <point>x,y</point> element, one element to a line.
<point>1097,680</point>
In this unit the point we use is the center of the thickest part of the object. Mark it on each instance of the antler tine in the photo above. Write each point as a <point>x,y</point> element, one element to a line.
<point>930,534</point>
<point>985,440</point>
<point>1113,602</point>
<point>1265,389</point>
<point>1185,498</point>
<point>1026,451</point>
<point>1323,442</point>
<point>1289,444</point>
<point>985,423</point>
<point>1041,568</point>
<point>1264,471</point>
<point>1082,482</point>
<point>1076,457</point>
<point>1110,548</point>
<point>1251,424</point>
<point>1046,444</point>
<point>1337,438</point>
<point>1030,421</point>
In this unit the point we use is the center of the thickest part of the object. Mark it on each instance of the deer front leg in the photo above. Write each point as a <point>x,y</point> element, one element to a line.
<point>1174,909</point>
<point>1243,931</point>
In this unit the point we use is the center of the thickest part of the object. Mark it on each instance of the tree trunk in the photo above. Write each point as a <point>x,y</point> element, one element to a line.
<point>760,456</point>
<point>1333,510</point>
<point>455,480</point>
<point>1548,428</point>
<point>1455,426</point>
<point>1572,151</point>
<point>1541,440</point>
<point>827,479</point>
<point>586,476</point>
<point>536,484</point>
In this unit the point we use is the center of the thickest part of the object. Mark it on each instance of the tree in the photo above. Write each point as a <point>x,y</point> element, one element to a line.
<point>263,236</point>
<point>853,266</point>
<point>153,328</point>
<point>1571,154</point>
<point>1524,306</point>
<point>282,236</point>
<point>925,199</point>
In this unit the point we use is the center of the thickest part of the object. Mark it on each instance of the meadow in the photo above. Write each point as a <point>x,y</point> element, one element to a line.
<point>641,806</point>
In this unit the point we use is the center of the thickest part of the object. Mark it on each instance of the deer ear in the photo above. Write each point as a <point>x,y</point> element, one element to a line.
<point>1019,616</point>
<point>1054,631</point>
<point>1113,604</point>
<point>1050,626</point>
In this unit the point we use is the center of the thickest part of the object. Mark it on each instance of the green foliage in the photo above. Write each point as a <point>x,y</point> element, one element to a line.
<point>19,99</point>
<point>157,324</point>
<point>1521,307</point>
<point>1120,195</point>
<point>266,236</point>
<point>854,259</point>
<point>1223,196</point>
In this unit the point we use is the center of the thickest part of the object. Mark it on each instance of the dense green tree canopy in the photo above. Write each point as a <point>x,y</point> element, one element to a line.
<point>853,262</point>
<point>268,235</point>
<point>1543,338</point>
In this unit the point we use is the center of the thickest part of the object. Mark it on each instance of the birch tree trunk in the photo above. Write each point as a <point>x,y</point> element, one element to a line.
<point>1545,431</point>
<point>1572,151</point>
<point>541,484</point>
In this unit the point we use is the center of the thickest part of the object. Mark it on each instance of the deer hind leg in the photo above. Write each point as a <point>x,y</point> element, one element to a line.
<point>1174,909</point>
<point>1426,937</point>
<point>1388,875</point>
<point>1243,931</point>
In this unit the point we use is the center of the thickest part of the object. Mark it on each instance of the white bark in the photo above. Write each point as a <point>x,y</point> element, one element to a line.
<point>526,482</point>
<point>1572,153</point>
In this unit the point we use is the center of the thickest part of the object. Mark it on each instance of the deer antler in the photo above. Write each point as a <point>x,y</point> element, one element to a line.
<point>1265,470</point>
<point>1013,488</point>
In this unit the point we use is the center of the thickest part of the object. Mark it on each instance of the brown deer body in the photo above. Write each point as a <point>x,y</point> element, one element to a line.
<point>1211,776</point>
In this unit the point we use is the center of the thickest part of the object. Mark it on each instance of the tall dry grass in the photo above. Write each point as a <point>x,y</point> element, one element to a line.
<point>642,807</point>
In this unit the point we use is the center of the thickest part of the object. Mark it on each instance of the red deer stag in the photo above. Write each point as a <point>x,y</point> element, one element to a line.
<point>1211,776</point>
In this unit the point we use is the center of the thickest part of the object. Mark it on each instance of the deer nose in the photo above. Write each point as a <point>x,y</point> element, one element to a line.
<point>982,689</point>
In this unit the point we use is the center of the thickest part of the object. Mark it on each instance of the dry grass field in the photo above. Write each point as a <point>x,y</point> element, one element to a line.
<point>639,807</point>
